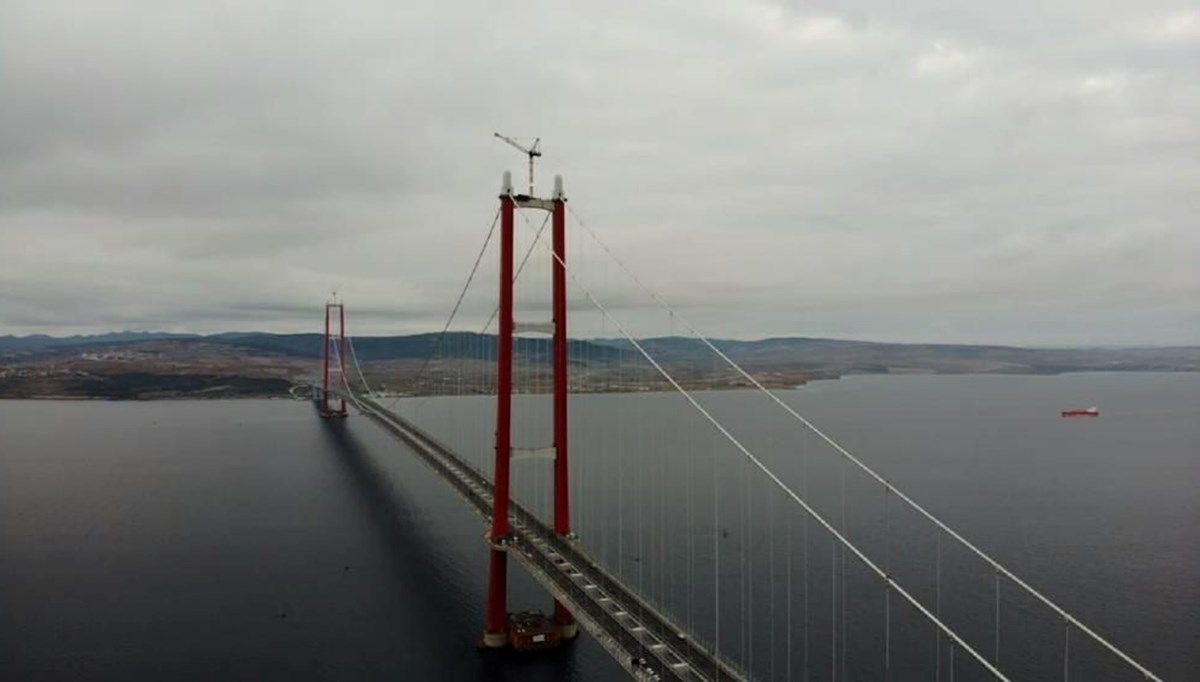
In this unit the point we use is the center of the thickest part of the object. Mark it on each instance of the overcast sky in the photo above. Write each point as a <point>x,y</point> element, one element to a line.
<point>931,170</point>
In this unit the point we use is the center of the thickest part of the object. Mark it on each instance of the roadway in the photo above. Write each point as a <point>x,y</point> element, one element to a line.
<point>643,640</point>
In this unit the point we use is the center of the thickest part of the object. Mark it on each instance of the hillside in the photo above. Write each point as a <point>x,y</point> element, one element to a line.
<point>144,365</point>
<point>846,356</point>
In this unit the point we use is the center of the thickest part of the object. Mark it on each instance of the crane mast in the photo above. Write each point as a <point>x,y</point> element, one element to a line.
<point>533,151</point>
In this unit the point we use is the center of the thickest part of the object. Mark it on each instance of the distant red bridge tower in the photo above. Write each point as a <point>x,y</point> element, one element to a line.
<point>333,375</point>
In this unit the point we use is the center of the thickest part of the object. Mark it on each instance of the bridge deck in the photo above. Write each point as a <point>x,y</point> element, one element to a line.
<point>643,640</point>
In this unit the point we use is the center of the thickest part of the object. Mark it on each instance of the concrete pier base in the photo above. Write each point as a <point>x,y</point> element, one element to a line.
<point>494,640</point>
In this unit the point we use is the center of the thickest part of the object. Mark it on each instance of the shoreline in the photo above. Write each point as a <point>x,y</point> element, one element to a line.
<point>209,395</point>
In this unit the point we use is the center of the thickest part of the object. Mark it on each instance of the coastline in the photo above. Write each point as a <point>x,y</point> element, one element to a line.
<point>233,392</point>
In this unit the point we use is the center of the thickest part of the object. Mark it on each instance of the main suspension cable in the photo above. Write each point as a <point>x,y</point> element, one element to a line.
<point>999,568</point>
<point>457,304</point>
<point>520,267</point>
<point>357,366</point>
<point>753,459</point>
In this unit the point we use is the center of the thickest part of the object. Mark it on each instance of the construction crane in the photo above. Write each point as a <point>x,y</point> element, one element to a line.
<point>532,151</point>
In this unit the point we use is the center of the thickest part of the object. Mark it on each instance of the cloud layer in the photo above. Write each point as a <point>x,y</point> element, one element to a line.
<point>1022,172</point>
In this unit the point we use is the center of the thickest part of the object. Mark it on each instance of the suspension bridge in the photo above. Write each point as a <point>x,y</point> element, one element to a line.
<point>664,522</point>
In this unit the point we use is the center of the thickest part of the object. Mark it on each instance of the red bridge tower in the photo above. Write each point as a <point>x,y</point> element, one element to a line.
<point>496,619</point>
<point>333,375</point>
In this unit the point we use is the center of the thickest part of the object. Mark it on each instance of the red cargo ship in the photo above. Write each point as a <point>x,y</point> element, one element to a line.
<point>1082,412</point>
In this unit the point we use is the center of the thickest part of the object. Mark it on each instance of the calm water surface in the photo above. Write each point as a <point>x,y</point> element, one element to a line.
<point>250,540</point>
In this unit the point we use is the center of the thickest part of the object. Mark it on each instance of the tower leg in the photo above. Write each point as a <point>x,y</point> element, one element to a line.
<point>567,626</point>
<point>342,357</point>
<point>325,368</point>
<point>495,629</point>
<point>496,624</point>
<point>562,499</point>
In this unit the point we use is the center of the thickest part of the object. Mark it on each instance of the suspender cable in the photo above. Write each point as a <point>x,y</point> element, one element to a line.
<point>833,638</point>
<point>804,489</point>
<point>742,539</point>
<point>640,478</point>
<point>1067,651</point>
<point>845,639</point>
<point>771,574</point>
<point>716,515</point>
<point>887,594</point>
<point>997,658</point>
<point>952,661</point>
<point>662,524</point>
<point>788,598</point>
<point>887,632</point>
<point>691,547</point>
<point>937,636</point>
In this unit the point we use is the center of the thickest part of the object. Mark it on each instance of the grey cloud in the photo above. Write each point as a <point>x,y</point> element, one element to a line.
<point>925,170</point>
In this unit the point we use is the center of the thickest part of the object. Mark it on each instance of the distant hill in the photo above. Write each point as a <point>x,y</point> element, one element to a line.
<point>150,365</point>
<point>11,343</point>
<point>816,357</point>
<point>412,347</point>
<point>845,356</point>
<point>367,348</point>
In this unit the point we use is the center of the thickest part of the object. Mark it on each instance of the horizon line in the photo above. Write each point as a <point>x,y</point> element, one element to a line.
<point>1041,346</point>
